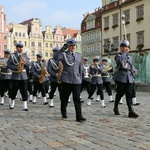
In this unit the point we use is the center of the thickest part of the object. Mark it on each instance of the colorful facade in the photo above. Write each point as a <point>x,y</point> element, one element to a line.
<point>48,42</point>
<point>91,34</point>
<point>4,33</point>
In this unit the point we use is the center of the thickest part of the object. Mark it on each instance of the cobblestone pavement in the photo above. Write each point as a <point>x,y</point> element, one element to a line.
<point>42,128</point>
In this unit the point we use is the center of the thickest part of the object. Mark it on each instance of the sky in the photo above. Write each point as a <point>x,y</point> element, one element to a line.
<point>66,13</point>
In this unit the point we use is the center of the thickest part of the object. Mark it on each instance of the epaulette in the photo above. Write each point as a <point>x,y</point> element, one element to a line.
<point>78,53</point>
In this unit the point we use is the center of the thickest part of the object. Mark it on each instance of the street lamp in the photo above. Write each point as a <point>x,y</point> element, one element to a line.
<point>108,48</point>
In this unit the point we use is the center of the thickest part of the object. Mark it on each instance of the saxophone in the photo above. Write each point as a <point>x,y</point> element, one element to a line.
<point>59,72</point>
<point>43,74</point>
<point>21,63</point>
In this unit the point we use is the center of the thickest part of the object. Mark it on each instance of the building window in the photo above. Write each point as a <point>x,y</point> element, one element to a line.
<point>51,45</point>
<point>92,35</point>
<point>57,38</point>
<point>5,37</point>
<point>16,33</point>
<point>98,47</point>
<point>88,48</point>
<point>140,12</point>
<point>60,38</point>
<point>106,23</point>
<point>127,36</point>
<point>46,45</point>
<point>116,42</point>
<point>23,34</point>
<point>19,34</point>
<point>127,16</point>
<point>32,43</point>
<point>25,43</point>
<point>88,37</point>
<point>140,37</point>
<point>5,47</point>
<point>32,53</point>
<point>46,54</point>
<point>115,20</point>
<point>92,48</point>
<point>39,44</point>
<point>106,41</point>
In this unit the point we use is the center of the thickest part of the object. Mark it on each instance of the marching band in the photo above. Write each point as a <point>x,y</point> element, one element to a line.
<point>68,72</point>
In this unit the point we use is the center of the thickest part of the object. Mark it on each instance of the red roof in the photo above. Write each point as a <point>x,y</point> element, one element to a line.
<point>72,32</point>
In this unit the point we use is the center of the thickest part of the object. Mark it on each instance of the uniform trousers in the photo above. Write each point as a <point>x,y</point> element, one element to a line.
<point>124,88</point>
<point>39,87</point>
<point>46,86</point>
<point>30,88</point>
<point>99,90</point>
<point>107,85</point>
<point>133,91</point>
<point>22,85</point>
<point>67,89</point>
<point>54,86</point>
<point>5,85</point>
<point>85,84</point>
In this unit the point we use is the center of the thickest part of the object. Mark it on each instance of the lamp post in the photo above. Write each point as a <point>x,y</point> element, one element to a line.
<point>108,48</point>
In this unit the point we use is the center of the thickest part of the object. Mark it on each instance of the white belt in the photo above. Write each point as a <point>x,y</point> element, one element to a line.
<point>6,73</point>
<point>105,76</point>
<point>18,71</point>
<point>96,75</point>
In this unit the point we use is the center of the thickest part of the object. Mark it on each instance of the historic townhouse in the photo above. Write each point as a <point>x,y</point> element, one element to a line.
<point>73,33</point>
<point>4,33</point>
<point>91,34</point>
<point>19,33</point>
<point>137,25</point>
<point>35,36</point>
<point>48,42</point>
<point>58,37</point>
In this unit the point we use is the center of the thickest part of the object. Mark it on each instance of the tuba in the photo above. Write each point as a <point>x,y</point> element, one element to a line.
<point>107,68</point>
<point>44,73</point>
<point>59,72</point>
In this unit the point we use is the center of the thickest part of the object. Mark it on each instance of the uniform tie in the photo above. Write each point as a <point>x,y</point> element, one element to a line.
<point>73,55</point>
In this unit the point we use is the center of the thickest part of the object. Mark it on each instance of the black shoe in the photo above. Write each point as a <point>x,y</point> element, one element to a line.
<point>132,114</point>
<point>111,101</point>
<point>116,111</point>
<point>26,109</point>
<point>136,104</point>
<point>82,101</point>
<point>45,103</point>
<point>80,119</point>
<point>64,116</point>
<point>11,107</point>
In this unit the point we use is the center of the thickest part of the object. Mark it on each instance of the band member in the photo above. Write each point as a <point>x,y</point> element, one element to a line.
<point>96,81</point>
<point>85,76</point>
<point>38,70</point>
<point>5,78</point>
<point>53,69</point>
<point>18,63</point>
<point>106,76</point>
<point>124,78</point>
<point>71,78</point>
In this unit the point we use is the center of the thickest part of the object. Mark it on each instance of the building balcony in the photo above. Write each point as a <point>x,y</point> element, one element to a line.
<point>114,25</point>
<point>139,19</point>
